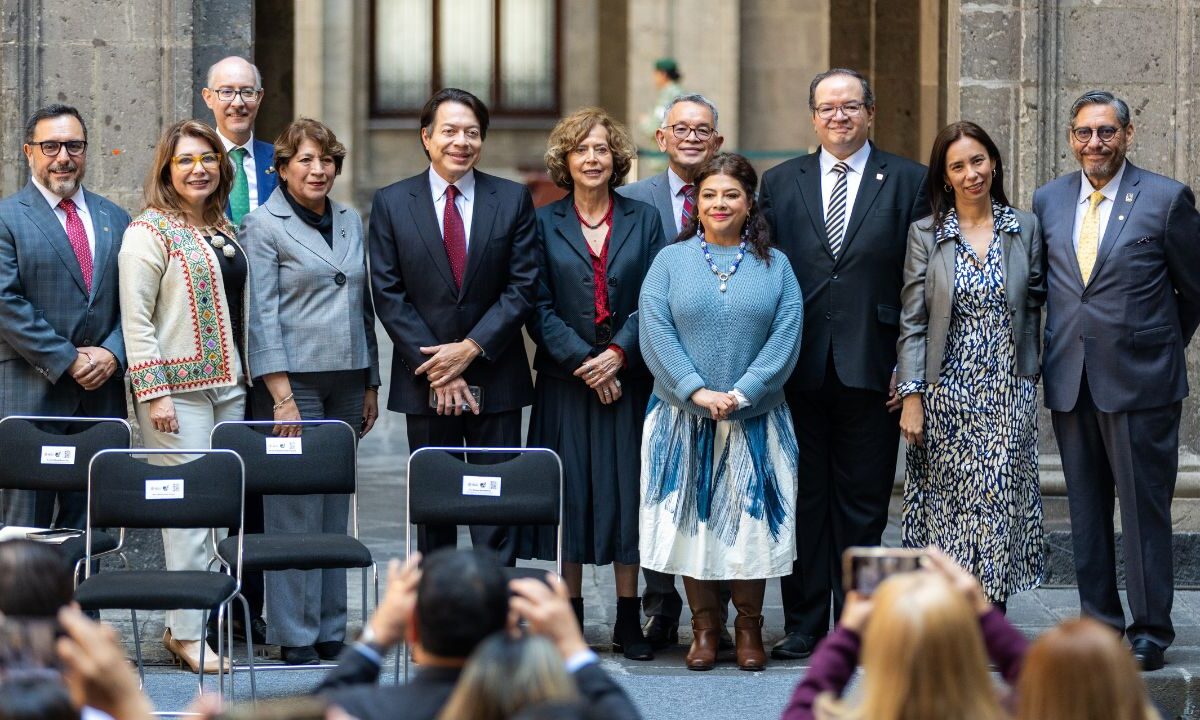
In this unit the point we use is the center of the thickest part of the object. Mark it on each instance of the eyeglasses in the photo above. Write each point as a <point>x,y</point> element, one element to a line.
<point>1084,134</point>
<point>187,162</point>
<point>51,148</point>
<point>850,109</point>
<point>227,94</point>
<point>681,131</point>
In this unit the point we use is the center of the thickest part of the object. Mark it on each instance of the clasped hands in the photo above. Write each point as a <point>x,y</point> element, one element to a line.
<point>93,366</point>
<point>444,371</point>
<point>719,404</point>
<point>600,374</point>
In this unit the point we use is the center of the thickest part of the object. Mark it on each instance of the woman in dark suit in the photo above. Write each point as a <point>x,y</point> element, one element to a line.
<point>592,387</point>
<point>968,369</point>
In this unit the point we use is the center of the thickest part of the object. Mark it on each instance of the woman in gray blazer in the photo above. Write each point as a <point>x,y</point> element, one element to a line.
<point>968,369</point>
<point>312,341</point>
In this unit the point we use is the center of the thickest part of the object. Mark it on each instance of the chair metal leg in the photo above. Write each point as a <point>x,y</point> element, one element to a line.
<point>137,649</point>
<point>203,647</point>
<point>249,650</point>
<point>221,651</point>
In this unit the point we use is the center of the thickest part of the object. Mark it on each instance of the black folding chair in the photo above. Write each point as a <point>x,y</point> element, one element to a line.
<point>37,458</point>
<point>444,489</point>
<point>126,491</point>
<point>322,460</point>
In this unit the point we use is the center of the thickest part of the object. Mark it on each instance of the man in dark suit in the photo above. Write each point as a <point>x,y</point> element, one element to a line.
<point>443,611</point>
<point>454,275</point>
<point>61,348</point>
<point>689,137</point>
<point>1122,249</point>
<point>841,215</point>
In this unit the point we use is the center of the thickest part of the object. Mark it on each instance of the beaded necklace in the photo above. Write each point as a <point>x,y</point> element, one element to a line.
<point>712,265</point>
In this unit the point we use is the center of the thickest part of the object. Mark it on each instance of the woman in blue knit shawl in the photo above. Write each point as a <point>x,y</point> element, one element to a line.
<point>721,315</point>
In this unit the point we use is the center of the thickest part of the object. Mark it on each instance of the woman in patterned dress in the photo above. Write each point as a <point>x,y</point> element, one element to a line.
<point>968,369</point>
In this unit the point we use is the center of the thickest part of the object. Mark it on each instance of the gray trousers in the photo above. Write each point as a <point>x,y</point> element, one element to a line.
<point>1136,454</point>
<point>309,606</point>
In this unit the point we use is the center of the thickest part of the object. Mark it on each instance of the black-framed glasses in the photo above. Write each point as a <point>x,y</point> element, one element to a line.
<point>850,109</point>
<point>227,94</point>
<point>1105,132</point>
<point>681,131</point>
<point>51,148</point>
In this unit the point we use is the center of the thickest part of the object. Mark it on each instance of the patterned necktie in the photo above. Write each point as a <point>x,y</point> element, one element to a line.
<point>454,236</point>
<point>77,234</point>
<point>689,204</point>
<point>835,217</point>
<point>1089,237</point>
<point>239,198</point>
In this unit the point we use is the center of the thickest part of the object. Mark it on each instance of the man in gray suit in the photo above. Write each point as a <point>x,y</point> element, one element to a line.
<point>61,348</point>
<point>689,138</point>
<point>1122,248</point>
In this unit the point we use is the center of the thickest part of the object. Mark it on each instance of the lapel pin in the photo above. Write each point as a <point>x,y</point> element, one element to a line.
<point>343,232</point>
<point>1120,217</point>
<point>270,171</point>
<point>1128,197</point>
<point>105,229</point>
<point>879,176</point>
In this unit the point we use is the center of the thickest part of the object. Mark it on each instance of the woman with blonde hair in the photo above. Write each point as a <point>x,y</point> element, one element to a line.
<point>1080,671</point>
<point>506,674</point>
<point>925,638</point>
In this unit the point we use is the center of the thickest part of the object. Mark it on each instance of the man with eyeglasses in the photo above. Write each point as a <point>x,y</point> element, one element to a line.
<point>689,137</point>
<point>234,93</point>
<point>841,215</point>
<point>61,348</point>
<point>1122,252</point>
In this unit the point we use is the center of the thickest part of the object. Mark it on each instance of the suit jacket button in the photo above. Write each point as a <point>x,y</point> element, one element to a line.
<point>340,279</point>
<point>612,281</point>
<point>835,276</point>
<point>586,279</point>
<point>828,316</point>
<point>1085,301</point>
<point>87,341</point>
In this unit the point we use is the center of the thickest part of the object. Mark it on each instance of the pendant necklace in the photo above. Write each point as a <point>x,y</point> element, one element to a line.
<point>712,265</point>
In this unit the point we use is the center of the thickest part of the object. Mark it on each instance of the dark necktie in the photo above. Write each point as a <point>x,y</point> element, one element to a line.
<point>835,222</point>
<point>689,204</point>
<point>77,234</point>
<point>454,236</point>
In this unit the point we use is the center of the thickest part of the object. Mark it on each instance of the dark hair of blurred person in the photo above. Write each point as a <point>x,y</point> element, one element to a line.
<point>35,580</point>
<point>35,697</point>
<point>1079,670</point>
<point>461,599</point>
<point>504,675</point>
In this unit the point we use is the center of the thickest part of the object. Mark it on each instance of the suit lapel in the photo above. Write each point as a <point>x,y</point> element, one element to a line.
<point>621,227</point>
<point>341,238</point>
<point>568,228</point>
<point>264,168</point>
<point>1127,194</point>
<point>1064,227</point>
<point>874,176</point>
<point>665,204</point>
<point>483,216</point>
<point>102,229</point>
<point>43,218</point>
<point>420,205</point>
<point>809,180</point>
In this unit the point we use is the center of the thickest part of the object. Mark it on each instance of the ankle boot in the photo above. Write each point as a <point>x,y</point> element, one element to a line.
<point>577,606</point>
<point>748,599</point>
<point>627,632</point>
<point>702,598</point>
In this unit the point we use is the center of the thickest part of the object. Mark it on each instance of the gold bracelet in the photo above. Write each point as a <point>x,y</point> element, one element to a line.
<point>284,401</point>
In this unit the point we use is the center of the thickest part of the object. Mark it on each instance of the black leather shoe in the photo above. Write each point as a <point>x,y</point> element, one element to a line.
<point>258,631</point>
<point>794,646</point>
<point>330,649</point>
<point>1148,655</point>
<point>305,655</point>
<point>726,641</point>
<point>661,632</point>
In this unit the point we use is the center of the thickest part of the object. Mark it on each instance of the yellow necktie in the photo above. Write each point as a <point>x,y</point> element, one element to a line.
<point>1089,236</point>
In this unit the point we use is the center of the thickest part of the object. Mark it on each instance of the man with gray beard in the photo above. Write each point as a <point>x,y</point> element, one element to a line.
<point>61,348</point>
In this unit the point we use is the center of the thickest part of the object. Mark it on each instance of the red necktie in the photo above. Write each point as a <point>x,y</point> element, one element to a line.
<point>79,240</point>
<point>454,236</point>
<point>689,204</point>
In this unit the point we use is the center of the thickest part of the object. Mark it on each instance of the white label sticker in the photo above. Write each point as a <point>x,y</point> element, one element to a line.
<point>58,454</point>
<point>164,489</point>
<point>481,485</point>
<point>284,446</point>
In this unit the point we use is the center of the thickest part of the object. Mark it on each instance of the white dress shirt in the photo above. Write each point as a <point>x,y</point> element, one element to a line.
<point>677,184</point>
<point>465,202</point>
<point>1105,208</point>
<point>857,163</point>
<point>80,207</point>
<point>248,166</point>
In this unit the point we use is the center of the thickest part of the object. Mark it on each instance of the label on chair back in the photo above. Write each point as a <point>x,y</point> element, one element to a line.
<point>481,485</point>
<point>58,454</point>
<point>284,446</point>
<point>164,489</point>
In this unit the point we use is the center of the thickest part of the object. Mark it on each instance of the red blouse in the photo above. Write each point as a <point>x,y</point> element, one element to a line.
<point>600,273</point>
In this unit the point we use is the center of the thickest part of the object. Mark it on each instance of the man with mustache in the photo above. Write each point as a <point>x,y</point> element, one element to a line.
<point>61,348</point>
<point>1122,252</point>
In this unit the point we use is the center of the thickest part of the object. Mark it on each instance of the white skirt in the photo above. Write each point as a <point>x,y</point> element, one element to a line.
<point>718,498</point>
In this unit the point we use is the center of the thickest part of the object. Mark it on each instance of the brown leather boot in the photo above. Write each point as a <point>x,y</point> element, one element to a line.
<point>702,598</point>
<point>747,628</point>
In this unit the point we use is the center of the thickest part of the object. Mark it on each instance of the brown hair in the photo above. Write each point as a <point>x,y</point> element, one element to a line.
<point>1079,670</point>
<point>571,130</point>
<point>160,193</point>
<point>941,200</point>
<point>756,231</point>
<point>288,143</point>
<point>506,674</point>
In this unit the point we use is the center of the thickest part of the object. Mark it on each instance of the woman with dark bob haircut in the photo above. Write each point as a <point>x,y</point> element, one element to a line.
<point>312,345</point>
<point>721,314</point>
<point>592,386</point>
<point>968,369</point>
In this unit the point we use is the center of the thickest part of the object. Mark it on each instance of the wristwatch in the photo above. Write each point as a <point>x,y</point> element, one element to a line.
<point>367,637</point>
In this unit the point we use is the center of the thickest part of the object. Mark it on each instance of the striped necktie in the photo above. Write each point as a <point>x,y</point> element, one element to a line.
<point>835,217</point>
<point>689,205</point>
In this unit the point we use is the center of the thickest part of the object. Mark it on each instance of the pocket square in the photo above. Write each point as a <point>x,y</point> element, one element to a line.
<point>1144,241</point>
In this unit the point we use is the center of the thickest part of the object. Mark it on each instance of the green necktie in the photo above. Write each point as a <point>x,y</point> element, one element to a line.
<point>239,199</point>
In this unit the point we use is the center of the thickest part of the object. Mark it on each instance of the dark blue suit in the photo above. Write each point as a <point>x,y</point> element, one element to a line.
<point>264,173</point>
<point>46,312</point>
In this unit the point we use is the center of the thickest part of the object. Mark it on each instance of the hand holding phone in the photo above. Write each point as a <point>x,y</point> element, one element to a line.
<point>864,568</point>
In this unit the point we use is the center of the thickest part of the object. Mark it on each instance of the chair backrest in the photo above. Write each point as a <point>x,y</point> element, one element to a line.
<point>522,490</point>
<point>321,460</point>
<point>52,453</point>
<point>126,491</point>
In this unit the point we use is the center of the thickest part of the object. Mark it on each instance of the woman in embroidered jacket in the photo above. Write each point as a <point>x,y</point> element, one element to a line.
<point>721,314</point>
<point>183,278</point>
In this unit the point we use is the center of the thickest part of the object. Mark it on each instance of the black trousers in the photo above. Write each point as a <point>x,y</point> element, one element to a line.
<point>1135,455</point>
<point>501,429</point>
<point>848,445</point>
